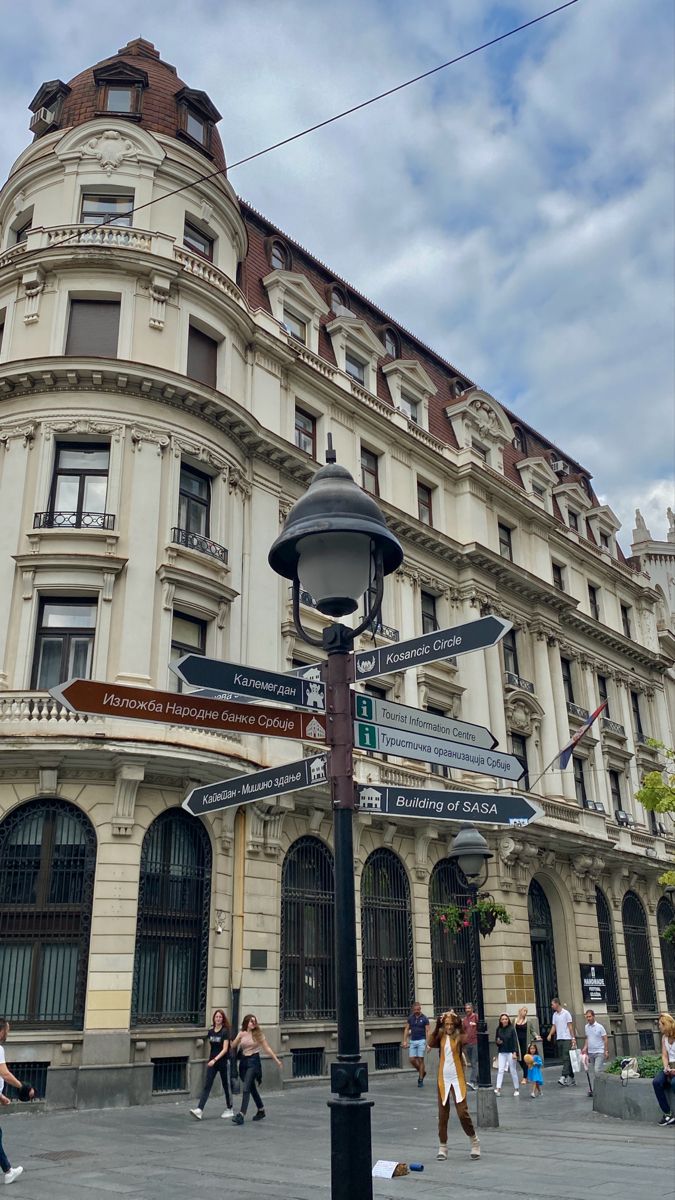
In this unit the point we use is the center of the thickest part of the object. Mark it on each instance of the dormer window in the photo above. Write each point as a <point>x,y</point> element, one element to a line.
<point>295,326</point>
<point>410,388</point>
<point>356,348</point>
<point>355,368</point>
<point>197,117</point>
<point>294,302</point>
<point>573,519</point>
<point>518,442</point>
<point>338,300</point>
<point>120,99</point>
<point>410,407</point>
<point>120,89</point>
<point>391,343</point>
<point>279,257</point>
<point>196,127</point>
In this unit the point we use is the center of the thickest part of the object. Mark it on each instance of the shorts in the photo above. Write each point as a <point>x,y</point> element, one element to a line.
<point>416,1049</point>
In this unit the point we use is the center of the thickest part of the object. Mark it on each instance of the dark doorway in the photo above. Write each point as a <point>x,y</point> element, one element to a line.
<point>543,962</point>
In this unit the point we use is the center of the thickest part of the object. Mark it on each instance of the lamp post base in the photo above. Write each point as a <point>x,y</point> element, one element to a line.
<point>487,1113</point>
<point>351,1163</point>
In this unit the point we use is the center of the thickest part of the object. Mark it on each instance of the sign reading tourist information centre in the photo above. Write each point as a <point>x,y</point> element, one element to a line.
<point>417,720</point>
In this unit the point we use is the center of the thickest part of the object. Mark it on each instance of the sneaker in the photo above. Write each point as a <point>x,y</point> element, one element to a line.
<point>562,1081</point>
<point>589,1092</point>
<point>237,1119</point>
<point>497,1092</point>
<point>13,1174</point>
<point>229,1112</point>
<point>472,1086</point>
<point>475,1148</point>
<point>442,1153</point>
<point>260,1115</point>
<point>667,1119</point>
<point>516,1093</point>
<point>572,1082</point>
<point>420,1083</point>
<point>197,1112</point>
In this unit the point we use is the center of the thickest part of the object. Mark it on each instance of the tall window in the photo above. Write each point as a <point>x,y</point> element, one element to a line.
<point>519,749</point>
<point>197,241</point>
<point>202,359</point>
<point>542,945</point>
<point>626,621</point>
<point>295,326</point>
<point>355,368</point>
<point>568,686</point>
<point>391,346</point>
<point>22,231</point>
<point>451,954</point>
<point>637,717</point>
<point>558,577</point>
<point>505,542</point>
<point>665,914</point>
<point>602,693</point>
<point>638,954</point>
<point>438,768</point>
<point>305,432</point>
<point>607,952</point>
<point>615,790</point>
<point>579,780</point>
<point>172,930</point>
<point>194,501</point>
<point>307,982</point>
<point>369,472</point>
<point>593,601</point>
<point>386,935</point>
<point>47,864</point>
<point>424,510</point>
<point>111,210</point>
<point>64,641</point>
<point>573,519</point>
<point>279,258</point>
<point>510,649</point>
<point>410,407</point>
<point>93,328</point>
<point>196,127</point>
<point>188,636</point>
<point>79,487</point>
<point>429,618</point>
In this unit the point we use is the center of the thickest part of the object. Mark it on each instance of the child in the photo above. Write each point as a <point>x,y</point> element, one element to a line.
<point>534,1065</point>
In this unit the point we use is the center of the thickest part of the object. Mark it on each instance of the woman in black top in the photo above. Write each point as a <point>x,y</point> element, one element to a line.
<point>219,1047</point>
<point>507,1052</point>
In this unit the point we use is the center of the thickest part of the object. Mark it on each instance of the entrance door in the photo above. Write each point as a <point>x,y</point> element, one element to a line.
<point>543,961</point>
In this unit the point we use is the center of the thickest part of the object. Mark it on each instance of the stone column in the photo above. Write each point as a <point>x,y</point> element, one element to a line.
<point>632,777</point>
<point>473,678</point>
<point>13,471</point>
<point>562,723</point>
<point>550,783</point>
<point>595,758</point>
<point>495,688</point>
<point>409,600</point>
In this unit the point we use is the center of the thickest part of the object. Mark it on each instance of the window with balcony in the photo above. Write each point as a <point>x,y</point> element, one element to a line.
<point>558,576</point>
<point>79,488</point>
<point>424,509</point>
<point>369,472</point>
<point>188,636</point>
<point>305,432</point>
<point>355,368</point>
<point>510,650</point>
<point>198,242</point>
<point>295,326</point>
<point>519,749</point>
<point>505,542</point>
<point>579,780</point>
<point>99,209</point>
<point>202,357</point>
<point>64,641</point>
<point>93,328</point>
<point>594,601</point>
<point>429,617</point>
<point>637,717</point>
<point>568,686</point>
<point>602,693</point>
<point>194,501</point>
<point>626,621</point>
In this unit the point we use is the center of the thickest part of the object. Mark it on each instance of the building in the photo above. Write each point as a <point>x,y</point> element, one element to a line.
<point>167,381</point>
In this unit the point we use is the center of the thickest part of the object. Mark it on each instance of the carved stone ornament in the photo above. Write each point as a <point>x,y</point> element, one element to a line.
<point>484,417</point>
<point>33,285</point>
<point>264,831</point>
<point>237,482</point>
<point>25,431</point>
<point>127,779</point>
<point>139,435</point>
<point>514,863</point>
<point>110,149</point>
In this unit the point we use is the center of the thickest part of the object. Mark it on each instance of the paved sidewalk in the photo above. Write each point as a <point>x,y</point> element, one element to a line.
<point>550,1149</point>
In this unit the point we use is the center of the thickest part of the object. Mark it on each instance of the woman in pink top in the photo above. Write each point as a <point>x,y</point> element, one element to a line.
<point>250,1041</point>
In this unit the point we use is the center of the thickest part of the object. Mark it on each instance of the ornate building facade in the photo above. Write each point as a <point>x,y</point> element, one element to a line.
<point>170,365</point>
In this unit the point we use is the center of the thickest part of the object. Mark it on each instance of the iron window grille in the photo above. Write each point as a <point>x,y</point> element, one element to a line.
<point>386,934</point>
<point>638,954</point>
<point>607,952</point>
<point>172,931</point>
<point>73,520</point>
<point>196,541</point>
<point>308,1063</point>
<point>665,914</point>
<point>169,1075</point>
<point>453,956</point>
<point>64,641</point>
<point>307,975</point>
<point>647,1039</point>
<point>47,865</point>
<point>387,1056</point>
<point>37,1074</point>
<point>543,961</point>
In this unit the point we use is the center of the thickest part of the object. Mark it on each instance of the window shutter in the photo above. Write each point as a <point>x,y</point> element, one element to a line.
<point>93,328</point>
<point>202,357</point>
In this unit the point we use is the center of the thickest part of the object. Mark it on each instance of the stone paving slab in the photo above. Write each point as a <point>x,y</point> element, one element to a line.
<point>556,1149</point>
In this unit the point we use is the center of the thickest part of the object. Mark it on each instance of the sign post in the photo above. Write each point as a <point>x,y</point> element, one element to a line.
<point>487,808</point>
<point>257,785</point>
<point>211,673</point>
<point>443,643</point>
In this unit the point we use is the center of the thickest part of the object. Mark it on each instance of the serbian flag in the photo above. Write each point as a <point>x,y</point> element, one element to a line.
<point>567,751</point>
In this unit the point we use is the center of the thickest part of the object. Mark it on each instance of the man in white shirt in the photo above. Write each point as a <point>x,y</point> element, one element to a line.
<point>10,1173</point>
<point>595,1045</point>
<point>562,1030</point>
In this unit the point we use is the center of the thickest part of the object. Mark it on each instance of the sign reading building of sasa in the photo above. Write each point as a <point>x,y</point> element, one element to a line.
<point>593,986</point>
<point>483,807</point>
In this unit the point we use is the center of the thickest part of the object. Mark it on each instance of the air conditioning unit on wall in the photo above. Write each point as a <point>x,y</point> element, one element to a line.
<point>42,119</point>
<point>560,467</point>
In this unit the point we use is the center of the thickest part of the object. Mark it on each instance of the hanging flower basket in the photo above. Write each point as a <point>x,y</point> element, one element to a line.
<point>668,934</point>
<point>452,918</point>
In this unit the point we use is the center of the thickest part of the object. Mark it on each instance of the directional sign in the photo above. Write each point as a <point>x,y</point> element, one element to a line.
<point>202,672</point>
<point>482,807</point>
<point>242,789</point>
<point>445,643</point>
<point>142,704</point>
<point>437,750</point>
<point>416,720</point>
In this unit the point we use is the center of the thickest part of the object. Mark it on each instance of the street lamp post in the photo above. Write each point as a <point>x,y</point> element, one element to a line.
<point>336,546</point>
<point>470,851</point>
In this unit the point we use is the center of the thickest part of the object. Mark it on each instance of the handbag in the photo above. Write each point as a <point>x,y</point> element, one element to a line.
<point>495,1063</point>
<point>575,1061</point>
<point>235,1086</point>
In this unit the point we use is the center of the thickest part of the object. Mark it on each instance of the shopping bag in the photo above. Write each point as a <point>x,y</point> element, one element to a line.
<point>575,1061</point>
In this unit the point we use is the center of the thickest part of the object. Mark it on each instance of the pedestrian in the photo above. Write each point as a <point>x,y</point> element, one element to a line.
<point>595,1047</point>
<point>664,1082</point>
<point>562,1029</point>
<point>415,1037</point>
<point>526,1033</point>
<point>534,1072</point>
<point>470,1032</point>
<point>249,1042</point>
<point>10,1173</point>
<point>219,1050</point>
<point>507,1053</point>
<point>448,1037</point>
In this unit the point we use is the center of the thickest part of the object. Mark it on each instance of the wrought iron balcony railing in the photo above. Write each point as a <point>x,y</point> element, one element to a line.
<point>73,520</point>
<point>196,541</point>
<point>575,710</point>
<point>609,726</point>
<point>517,681</point>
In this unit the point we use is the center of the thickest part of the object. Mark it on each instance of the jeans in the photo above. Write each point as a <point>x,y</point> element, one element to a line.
<point>471,1052</point>
<point>564,1046</point>
<point>253,1069</point>
<point>220,1068</point>
<point>5,1164</point>
<point>663,1084</point>
<point>506,1062</point>
<point>597,1061</point>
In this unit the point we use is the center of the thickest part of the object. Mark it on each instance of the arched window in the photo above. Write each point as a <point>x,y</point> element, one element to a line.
<point>172,930</point>
<point>279,255</point>
<point>607,953</point>
<point>543,959</point>
<point>386,935</point>
<point>47,864</point>
<point>307,982</point>
<point>452,956</point>
<point>665,913</point>
<point>391,343</point>
<point>638,954</point>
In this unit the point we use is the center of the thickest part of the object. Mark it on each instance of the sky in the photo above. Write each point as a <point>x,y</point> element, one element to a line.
<point>515,211</point>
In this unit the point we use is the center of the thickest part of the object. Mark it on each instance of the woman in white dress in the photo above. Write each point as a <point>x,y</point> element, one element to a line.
<point>448,1037</point>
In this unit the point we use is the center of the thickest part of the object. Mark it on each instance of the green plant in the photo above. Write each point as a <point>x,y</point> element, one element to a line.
<point>649,1066</point>
<point>452,918</point>
<point>657,793</point>
<point>668,934</point>
<point>489,912</point>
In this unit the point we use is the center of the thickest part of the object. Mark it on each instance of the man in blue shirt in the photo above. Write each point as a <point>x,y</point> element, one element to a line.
<point>415,1036</point>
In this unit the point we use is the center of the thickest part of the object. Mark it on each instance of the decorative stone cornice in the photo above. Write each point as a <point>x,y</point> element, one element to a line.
<point>24,431</point>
